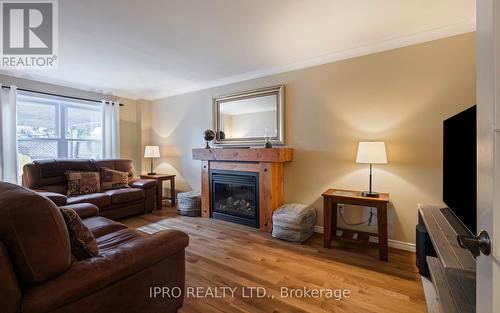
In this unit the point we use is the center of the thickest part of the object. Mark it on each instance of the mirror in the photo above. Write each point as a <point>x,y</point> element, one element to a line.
<point>248,118</point>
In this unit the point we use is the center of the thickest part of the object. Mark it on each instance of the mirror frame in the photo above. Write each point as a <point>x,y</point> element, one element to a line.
<point>279,139</point>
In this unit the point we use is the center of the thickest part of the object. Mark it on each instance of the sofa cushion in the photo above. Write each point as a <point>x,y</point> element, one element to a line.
<point>97,199</point>
<point>83,243</point>
<point>101,226</point>
<point>115,240</point>
<point>34,233</point>
<point>121,165</point>
<point>112,179</point>
<point>82,183</point>
<point>125,195</point>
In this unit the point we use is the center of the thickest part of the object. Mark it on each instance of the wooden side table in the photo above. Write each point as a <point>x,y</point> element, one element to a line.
<point>332,197</point>
<point>159,179</point>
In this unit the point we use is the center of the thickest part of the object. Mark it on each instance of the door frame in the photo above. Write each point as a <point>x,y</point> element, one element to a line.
<point>488,102</point>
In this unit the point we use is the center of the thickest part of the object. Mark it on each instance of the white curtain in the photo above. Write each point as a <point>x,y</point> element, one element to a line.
<point>8,135</point>
<point>110,130</point>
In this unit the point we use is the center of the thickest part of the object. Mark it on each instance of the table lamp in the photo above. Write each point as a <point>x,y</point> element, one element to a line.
<point>371,152</point>
<point>152,152</point>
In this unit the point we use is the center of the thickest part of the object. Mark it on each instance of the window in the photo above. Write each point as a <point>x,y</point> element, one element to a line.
<point>49,127</point>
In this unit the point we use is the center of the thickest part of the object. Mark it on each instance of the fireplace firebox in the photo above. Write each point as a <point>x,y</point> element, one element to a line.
<point>234,197</point>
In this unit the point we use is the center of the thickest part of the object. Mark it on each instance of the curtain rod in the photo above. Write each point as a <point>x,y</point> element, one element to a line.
<point>62,96</point>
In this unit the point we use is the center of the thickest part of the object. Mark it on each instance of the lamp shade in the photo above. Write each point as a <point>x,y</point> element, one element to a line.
<point>152,152</point>
<point>371,152</point>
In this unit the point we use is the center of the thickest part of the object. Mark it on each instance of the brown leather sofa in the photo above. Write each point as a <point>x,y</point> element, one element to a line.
<point>37,274</point>
<point>49,176</point>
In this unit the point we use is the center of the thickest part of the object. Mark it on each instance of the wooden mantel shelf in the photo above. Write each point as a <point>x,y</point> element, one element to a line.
<point>268,163</point>
<point>279,155</point>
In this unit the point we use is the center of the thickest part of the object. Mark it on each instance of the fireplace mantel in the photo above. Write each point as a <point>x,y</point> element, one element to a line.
<point>244,155</point>
<point>267,162</point>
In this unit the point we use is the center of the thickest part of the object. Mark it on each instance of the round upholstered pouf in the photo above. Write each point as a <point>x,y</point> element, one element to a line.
<point>189,203</point>
<point>294,222</point>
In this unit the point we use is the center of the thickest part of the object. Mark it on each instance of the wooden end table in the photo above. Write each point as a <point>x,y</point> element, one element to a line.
<point>159,179</point>
<point>332,197</point>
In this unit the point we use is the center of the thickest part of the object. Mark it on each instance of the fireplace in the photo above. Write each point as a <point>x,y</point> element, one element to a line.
<point>234,196</point>
<point>265,166</point>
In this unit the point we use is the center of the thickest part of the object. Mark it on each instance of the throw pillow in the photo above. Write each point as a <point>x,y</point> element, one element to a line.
<point>83,242</point>
<point>113,179</point>
<point>82,183</point>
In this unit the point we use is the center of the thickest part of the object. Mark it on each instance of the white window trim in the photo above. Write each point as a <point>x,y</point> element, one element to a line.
<point>61,107</point>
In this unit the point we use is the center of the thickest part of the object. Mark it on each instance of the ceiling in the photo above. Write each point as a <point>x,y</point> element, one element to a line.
<point>155,48</point>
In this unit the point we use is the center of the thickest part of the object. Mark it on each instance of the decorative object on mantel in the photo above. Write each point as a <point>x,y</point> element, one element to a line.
<point>267,163</point>
<point>371,152</point>
<point>294,222</point>
<point>208,135</point>
<point>152,152</point>
<point>189,203</point>
<point>268,144</point>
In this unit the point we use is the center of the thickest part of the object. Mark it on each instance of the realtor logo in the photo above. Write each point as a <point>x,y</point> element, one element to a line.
<point>28,34</point>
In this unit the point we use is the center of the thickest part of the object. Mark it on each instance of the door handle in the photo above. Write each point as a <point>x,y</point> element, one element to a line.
<point>476,244</point>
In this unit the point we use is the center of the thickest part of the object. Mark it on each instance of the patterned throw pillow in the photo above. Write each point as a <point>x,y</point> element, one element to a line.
<point>83,243</point>
<point>113,179</point>
<point>82,183</point>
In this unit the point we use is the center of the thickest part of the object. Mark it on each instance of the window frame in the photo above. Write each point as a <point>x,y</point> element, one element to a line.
<point>61,106</point>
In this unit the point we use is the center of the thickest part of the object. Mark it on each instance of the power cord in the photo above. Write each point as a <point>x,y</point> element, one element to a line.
<point>370,218</point>
<point>368,221</point>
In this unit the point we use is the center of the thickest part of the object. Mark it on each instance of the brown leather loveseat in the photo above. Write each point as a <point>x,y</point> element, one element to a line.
<point>49,176</point>
<point>38,275</point>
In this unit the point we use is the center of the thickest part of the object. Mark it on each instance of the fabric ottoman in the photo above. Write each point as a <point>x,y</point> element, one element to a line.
<point>189,203</point>
<point>294,222</point>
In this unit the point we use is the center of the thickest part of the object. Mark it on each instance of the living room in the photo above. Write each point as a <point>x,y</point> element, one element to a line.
<point>248,156</point>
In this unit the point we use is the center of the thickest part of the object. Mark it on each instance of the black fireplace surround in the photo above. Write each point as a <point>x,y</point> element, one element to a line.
<point>234,197</point>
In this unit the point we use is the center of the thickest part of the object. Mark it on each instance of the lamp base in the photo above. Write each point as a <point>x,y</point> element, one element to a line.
<point>370,194</point>
<point>151,173</point>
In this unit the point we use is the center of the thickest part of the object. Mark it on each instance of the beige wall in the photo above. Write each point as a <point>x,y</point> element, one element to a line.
<point>399,96</point>
<point>249,124</point>
<point>130,114</point>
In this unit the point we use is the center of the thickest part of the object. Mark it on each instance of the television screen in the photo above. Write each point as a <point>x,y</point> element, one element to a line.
<point>459,166</point>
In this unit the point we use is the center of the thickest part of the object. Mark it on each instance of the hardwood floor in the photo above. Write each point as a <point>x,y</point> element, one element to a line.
<point>225,254</point>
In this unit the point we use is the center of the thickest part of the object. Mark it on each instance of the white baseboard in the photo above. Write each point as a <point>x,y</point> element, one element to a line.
<point>391,242</point>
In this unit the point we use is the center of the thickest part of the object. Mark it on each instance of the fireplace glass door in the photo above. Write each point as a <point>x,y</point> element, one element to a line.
<point>234,197</point>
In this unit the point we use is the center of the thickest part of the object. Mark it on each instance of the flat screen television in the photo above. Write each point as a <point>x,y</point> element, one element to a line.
<point>460,166</point>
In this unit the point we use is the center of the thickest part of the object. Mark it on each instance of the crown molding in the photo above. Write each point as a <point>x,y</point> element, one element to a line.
<point>463,27</point>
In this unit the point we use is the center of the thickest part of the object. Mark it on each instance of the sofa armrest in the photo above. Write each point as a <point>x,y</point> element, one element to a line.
<point>83,210</point>
<point>142,183</point>
<point>140,252</point>
<point>58,198</point>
